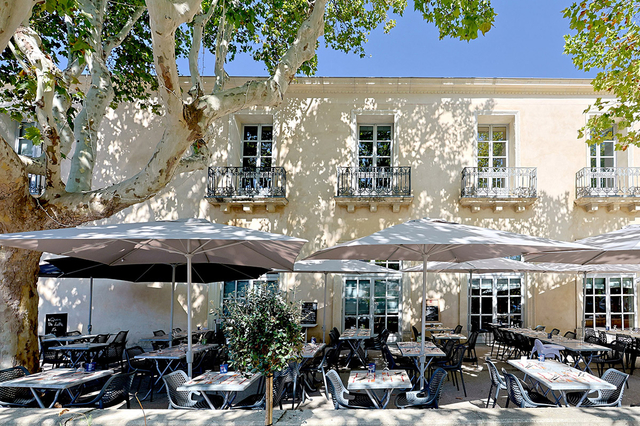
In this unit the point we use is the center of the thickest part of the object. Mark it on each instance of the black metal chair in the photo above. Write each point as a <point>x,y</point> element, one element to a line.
<point>15,397</point>
<point>497,382</point>
<point>472,356</point>
<point>429,397</point>
<point>540,328</point>
<point>631,352</point>
<point>605,398</point>
<point>555,331</point>
<point>455,366</point>
<point>114,391</point>
<point>612,358</point>
<point>589,332</point>
<point>113,354</point>
<point>101,338</point>
<point>458,329</point>
<point>48,356</point>
<point>142,367</point>
<point>416,333</point>
<point>522,396</point>
<point>570,335</point>
<point>74,333</point>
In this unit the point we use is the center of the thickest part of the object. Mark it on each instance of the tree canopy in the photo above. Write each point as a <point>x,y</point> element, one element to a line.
<point>607,39</point>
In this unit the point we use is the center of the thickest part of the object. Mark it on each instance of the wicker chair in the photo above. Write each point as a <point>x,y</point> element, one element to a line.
<point>115,390</point>
<point>341,396</point>
<point>605,398</point>
<point>523,397</point>
<point>15,397</point>
<point>183,399</point>
<point>429,397</point>
<point>497,382</point>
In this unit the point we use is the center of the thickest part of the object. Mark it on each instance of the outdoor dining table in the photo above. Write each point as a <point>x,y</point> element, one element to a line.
<point>448,336</point>
<point>354,337</point>
<point>229,384</point>
<point>58,380</point>
<point>168,338</point>
<point>583,351</point>
<point>69,339</point>
<point>386,381</point>
<point>412,350</point>
<point>172,357</point>
<point>559,377</point>
<point>76,352</point>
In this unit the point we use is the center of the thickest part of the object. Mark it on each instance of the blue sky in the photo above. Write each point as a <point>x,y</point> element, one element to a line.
<point>526,41</point>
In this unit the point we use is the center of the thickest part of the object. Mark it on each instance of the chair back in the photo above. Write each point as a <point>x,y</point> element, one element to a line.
<point>618,379</point>
<point>517,394</point>
<point>121,337</point>
<point>570,335</point>
<point>336,389</point>
<point>471,341</point>
<point>458,356</point>
<point>159,333</point>
<point>435,385</point>
<point>555,331</point>
<point>458,329</point>
<point>10,395</point>
<point>494,374</point>
<point>115,390</point>
<point>540,349</point>
<point>73,333</point>
<point>416,333</point>
<point>135,364</point>
<point>604,337</point>
<point>177,399</point>
<point>540,327</point>
<point>101,338</point>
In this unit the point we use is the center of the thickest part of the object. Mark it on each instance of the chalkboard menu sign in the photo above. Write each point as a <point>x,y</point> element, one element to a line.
<point>309,314</point>
<point>433,313</point>
<point>55,324</point>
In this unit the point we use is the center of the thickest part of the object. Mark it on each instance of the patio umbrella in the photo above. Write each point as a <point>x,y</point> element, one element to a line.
<point>193,240</point>
<point>73,267</point>
<point>327,267</point>
<point>439,240</point>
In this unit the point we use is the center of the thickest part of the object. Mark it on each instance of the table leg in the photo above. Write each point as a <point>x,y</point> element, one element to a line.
<point>206,398</point>
<point>37,397</point>
<point>373,397</point>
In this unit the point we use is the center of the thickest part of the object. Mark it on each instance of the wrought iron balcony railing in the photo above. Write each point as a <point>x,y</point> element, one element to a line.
<point>240,182</point>
<point>374,181</point>
<point>608,182</point>
<point>499,182</point>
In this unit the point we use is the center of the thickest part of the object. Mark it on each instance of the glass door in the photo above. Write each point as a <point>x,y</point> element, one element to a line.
<point>494,298</point>
<point>374,158</point>
<point>602,161</point>
<point>373,302</point>
<point>492,159</point>
<point>610,302</point>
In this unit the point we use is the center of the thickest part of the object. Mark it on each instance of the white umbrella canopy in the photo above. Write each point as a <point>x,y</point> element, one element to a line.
<point>329,266</point>
<point>173,241</point>
<point>617,247</point>
<point>439,240</point>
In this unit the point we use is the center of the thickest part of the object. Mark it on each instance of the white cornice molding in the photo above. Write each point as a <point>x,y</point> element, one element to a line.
<point>427,85</point>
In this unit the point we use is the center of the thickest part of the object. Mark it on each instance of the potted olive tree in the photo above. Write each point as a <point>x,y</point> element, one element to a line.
<point>264,336</point>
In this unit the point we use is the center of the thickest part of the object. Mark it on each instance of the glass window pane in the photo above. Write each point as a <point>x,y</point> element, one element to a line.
<point>349,322</point>
<point>487,305</point>
<point>475,287</point>
<point>363,322</point>
<point>365,149</point>
<point>379,306</point>
<point>503,305</point>
<point>589,305</point>
<point>364,289</point>
<point>384,133</point>
<point>483,133</point>
<point>515,287</point>
<point>250,149</point>
<point>483,163</point>
<point>606,162</point>
<point>499,162</point>
<point>475,305</point>
<point>266,149</point>
<point>599,284</point>
<point>250,133</point>
<point>628,304</point>
<point>392,306</point>
<point>499,134</point>
<point>616,321</point>
<point>363,306</point>
<point>615,286</point>
<point>499,149</point>
<point>483,149</point>
<point>601,304</point>
<point>366,133</point>
<point>249,162</point>
<point>350,288</point>
<point>266,162</point>
<point>516,305</point>
<point>628,321</point>
<point>365,162</point>
<point>627,285</point>
<point>229,288</point>
<point>486,287</point>
<point>267,133</point>
<point>384,162</point>
<point>350,306</point>
<point>384,149</point>
<point>393,288</point>
<point>380,288</point>
<point>393,324</point>
<point>606,149</point>
<point>502,287</point>
<point>616,304</point>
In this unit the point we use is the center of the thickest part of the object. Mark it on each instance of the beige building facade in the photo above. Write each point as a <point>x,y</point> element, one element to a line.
<point>342,158</point>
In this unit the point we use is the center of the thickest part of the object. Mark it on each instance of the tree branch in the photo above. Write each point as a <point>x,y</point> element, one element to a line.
<point>222,48</point>
<point>14,13</point>
<point>14,183</point>
<point>199,22</point>
<point>117,39</point>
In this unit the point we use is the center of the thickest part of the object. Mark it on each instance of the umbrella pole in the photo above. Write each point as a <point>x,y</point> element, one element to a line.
<point>584,303</point>
<point>90,327</point>
<point>173,289</point>
<point>425,258</point>
<point>189,353</point>
<point>324,308</point>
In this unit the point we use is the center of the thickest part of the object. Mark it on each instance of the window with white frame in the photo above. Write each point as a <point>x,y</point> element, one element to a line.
<point>602,160</point>
<point>233,290</point>
<point>494,298</point>
<point>257,146</point>
<point>493,152</point>
<point>610,301</point>
<point>374,156</point>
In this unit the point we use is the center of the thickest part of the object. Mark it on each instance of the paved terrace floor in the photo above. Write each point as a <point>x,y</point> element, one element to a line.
<point>456,410</point>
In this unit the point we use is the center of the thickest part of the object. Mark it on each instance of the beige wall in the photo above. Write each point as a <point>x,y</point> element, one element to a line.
<point>434,122</point>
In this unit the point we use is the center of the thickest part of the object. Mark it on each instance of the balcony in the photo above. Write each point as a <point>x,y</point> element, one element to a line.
<point>374,186</point>
<point>499,187</point>
<point>610,187</point>
<point>247,188</point>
